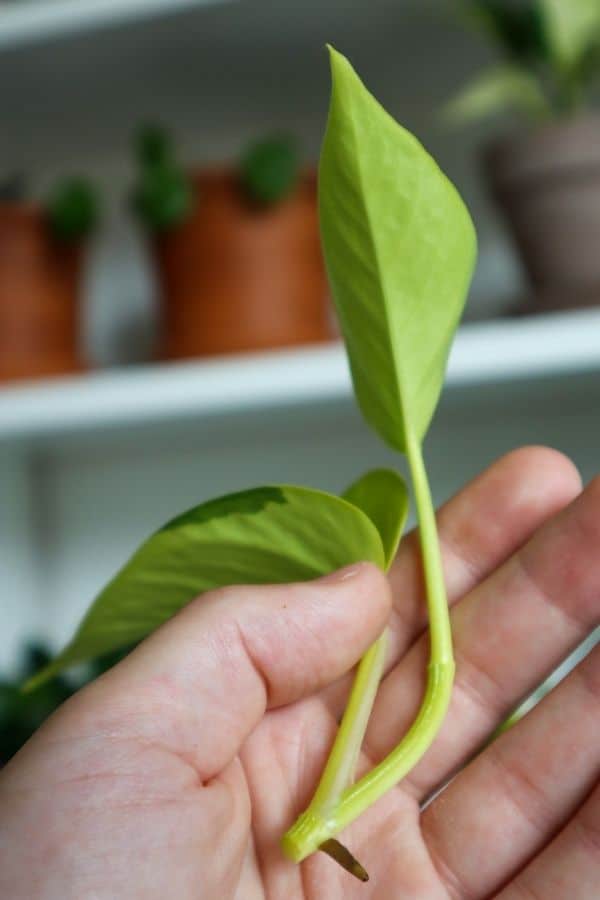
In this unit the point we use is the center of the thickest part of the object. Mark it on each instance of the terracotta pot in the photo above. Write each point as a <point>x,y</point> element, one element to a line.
<point>237,277</point>
<point>547,184</point>
<point>39,312</point>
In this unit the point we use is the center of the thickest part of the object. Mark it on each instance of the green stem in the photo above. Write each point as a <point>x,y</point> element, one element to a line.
<point>327,817</point>
<point>440,633</point>
<point>341,765</point>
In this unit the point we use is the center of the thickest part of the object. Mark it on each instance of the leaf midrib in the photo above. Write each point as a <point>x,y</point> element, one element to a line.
<point>382,279</point>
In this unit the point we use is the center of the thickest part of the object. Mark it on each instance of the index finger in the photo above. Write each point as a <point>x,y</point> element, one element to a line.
<point>480,528</point>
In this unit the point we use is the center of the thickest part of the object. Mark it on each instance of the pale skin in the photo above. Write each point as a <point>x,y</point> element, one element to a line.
<point>176,773</point>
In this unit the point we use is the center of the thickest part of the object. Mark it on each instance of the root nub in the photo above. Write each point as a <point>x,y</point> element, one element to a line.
<point>345,859</point>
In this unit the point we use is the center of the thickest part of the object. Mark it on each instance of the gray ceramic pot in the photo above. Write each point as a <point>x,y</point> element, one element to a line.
<point>547,184</point>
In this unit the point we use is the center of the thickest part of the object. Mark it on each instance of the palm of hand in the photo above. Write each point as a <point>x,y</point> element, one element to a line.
<point>281,762</point>
<point>138,794</point>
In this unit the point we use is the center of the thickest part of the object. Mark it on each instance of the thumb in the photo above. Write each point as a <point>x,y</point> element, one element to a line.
<point>202,682</point>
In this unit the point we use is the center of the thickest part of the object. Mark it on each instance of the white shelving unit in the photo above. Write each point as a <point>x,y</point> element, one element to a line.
<point>503,351</point>
<point>33,21</point>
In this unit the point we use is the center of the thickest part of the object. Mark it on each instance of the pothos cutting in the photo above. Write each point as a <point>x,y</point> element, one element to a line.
<point>400,248</point>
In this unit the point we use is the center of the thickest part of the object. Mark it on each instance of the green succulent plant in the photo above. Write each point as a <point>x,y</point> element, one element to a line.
<point>72,209</point>
<point>269,169</point>
<point>550,58</point>
<point>163,195</point>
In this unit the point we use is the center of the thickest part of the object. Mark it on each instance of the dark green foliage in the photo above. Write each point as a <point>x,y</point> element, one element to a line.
<point>517,26</point>
<point>72,209</point>
<point>269,169</point>
<point>242,502</point>
<point>163,195</point>
<point>153,146</point>
<point>163,198</point>
<point>22,713</point>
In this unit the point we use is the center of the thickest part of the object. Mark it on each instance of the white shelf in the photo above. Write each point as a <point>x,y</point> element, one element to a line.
<point>28,21</point>
<point>491,352</point>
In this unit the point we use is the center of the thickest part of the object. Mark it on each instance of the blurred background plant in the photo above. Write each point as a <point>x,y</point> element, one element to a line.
<point>235,247</point>
<point>22,713</point>
<point>42,249</point>
<point>73,209</point>
<point>270,168</point>
<point>545,175</point>
<point>163,195</point>
<point>550,53</point>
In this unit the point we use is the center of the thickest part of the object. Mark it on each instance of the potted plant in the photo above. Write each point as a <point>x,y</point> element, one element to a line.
<point>41,248</point>
<point>546,176</point>
<point>237,250</point>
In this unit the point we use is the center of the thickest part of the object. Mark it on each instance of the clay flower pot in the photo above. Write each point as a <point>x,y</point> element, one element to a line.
<point>237,277</point>
<point>547,184</point>
<point>39,312</point>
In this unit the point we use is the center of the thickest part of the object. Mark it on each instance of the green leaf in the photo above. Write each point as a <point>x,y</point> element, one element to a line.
<point>269,169</point>
<point>500,89</point>
<point>267,535</point>
<point>400,249</point>
<point>382,495</point>
<point>572,28</point>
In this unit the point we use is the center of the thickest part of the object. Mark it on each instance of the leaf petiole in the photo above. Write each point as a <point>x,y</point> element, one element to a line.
<point>327,815</point>
<point>340,770</point>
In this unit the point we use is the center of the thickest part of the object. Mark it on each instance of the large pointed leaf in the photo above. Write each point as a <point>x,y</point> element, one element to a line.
<point>400,248</point>
<point>382,495</point>
<point>271,534</point>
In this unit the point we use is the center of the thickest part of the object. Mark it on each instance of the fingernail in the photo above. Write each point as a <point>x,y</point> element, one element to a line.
<point>340,574</point>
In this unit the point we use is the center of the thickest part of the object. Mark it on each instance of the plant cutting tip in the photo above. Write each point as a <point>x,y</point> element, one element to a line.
<point>343,856</point>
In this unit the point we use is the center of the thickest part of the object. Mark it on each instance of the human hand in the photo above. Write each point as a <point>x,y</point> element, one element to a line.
<point>175,774</point>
